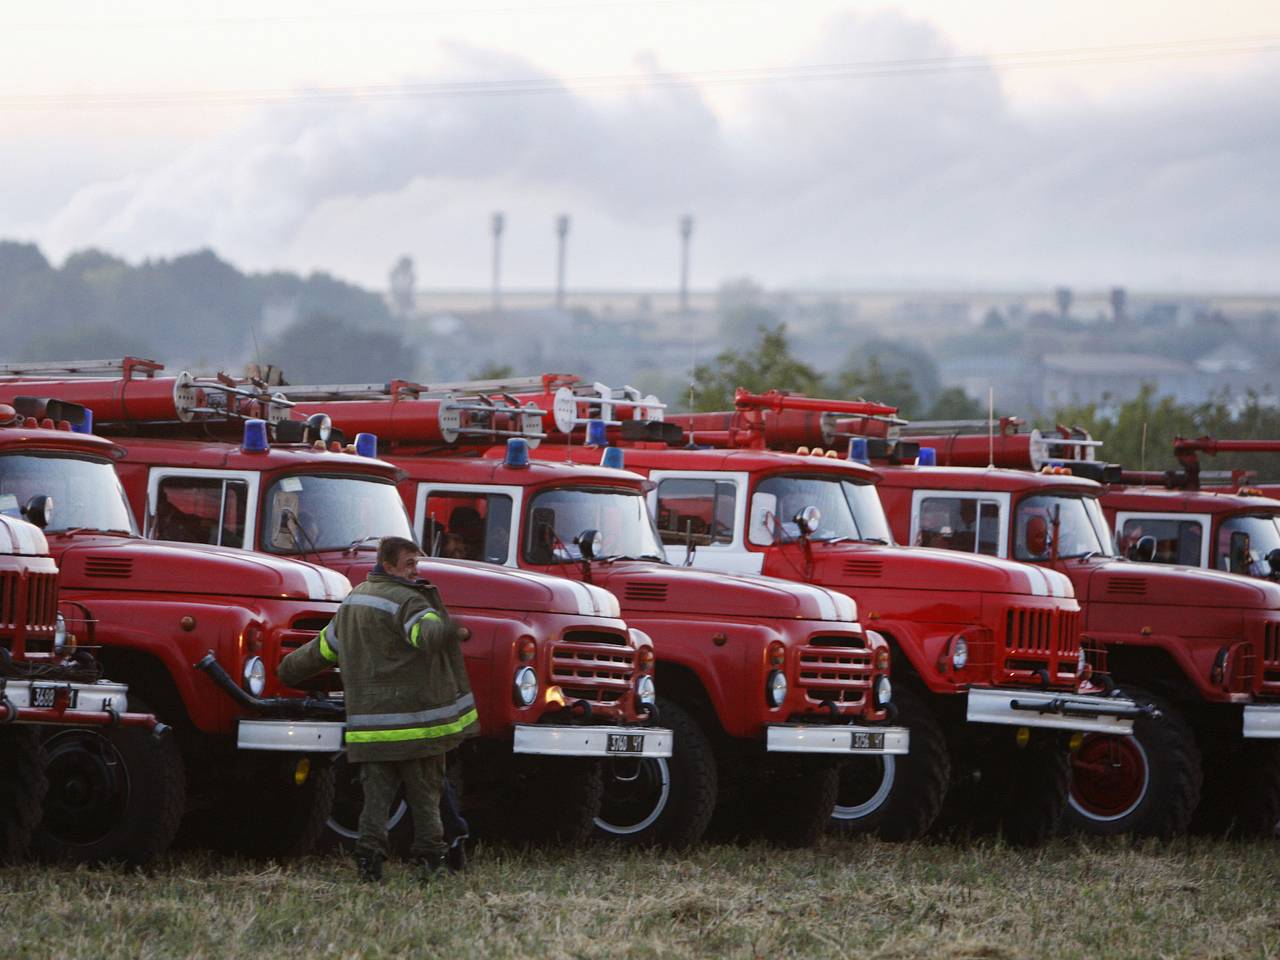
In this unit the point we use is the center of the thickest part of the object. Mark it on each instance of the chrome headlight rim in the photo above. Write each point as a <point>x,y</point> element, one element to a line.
<point>646,690</point>
<point>524,687</point>
<point>60,634</point>
<point>775,689</point>
<point>255,676</point>
<point>884,691</point>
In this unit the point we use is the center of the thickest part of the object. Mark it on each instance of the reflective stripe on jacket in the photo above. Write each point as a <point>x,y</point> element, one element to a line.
<point>403,674</point>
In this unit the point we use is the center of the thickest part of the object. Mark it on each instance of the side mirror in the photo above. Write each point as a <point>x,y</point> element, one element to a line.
<point>808,520</point>
<point>589,543</point>
<point>1273,560</point>
<point>39,510</point>
<point>1144,551</point>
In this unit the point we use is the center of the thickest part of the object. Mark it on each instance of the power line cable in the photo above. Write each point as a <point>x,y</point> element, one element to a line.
<point>853,70</point>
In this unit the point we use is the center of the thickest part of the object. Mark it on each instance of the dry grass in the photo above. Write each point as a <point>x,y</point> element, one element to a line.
<point>847,899</point>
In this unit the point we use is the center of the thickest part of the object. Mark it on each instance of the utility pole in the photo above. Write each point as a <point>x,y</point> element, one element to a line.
<point>497,225</point>
<point>562,234</point>
<point>686,231</point>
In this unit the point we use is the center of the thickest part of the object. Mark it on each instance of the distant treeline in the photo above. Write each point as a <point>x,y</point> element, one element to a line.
<point>195,309</point>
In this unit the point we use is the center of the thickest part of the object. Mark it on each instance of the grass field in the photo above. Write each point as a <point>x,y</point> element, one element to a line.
<point>847,899</point>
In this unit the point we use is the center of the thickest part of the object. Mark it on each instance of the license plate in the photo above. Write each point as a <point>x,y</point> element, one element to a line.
<point>625,743</point>
<point>867,741</point>
<point>45,696</point>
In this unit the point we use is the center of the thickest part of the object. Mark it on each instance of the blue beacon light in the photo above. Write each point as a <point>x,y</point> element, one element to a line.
<point>858,450</point>
<point>927,457</point>
<point>367,444</point>
<point>517,453</point>
<point>86,424</point>
<point>613,458</point>
<point>255,437</point>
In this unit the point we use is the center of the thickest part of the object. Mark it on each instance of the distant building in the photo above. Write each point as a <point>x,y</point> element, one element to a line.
<point>1079,378</point>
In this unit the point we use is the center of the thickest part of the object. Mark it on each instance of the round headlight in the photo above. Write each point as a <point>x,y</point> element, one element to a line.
<point>776,688</point>
<point>884,691</point>
<point>60,635</point>
<point>525,689</point>
<point>646,690</point>
<point>255,676</point>
<point>959,653</point>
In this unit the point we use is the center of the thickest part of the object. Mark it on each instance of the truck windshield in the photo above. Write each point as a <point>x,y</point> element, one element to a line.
<point>1082,529</point>
<point>305,513</point>
<point>86,493</point>
<point>1246,544</point>
<point>559,517</point>
<point>848,511</point>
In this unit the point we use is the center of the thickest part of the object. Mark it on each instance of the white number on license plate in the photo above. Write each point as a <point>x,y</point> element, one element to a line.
<point>868,741</point>
<point>625,743</point>
<point>47,696</point>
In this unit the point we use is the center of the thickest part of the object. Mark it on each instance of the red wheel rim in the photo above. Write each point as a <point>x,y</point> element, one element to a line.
<point>1109,777</point>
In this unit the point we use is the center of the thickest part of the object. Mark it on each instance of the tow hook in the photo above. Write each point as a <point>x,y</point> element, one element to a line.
<point>650,711</point>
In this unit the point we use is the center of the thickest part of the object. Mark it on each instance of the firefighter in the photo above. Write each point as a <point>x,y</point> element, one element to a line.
<point>407,696</point>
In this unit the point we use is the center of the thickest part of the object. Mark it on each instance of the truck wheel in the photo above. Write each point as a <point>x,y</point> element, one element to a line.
<point>1034,795</point>
<point>114,795</point>
<point>342,828</point>
<point>283,819</point>
<point>795,809</point>
<point>897,797</point>
<point>563,800</point>
<point>1242,798</point>
<point>667,801</point>
<point>22,790</point>
<point>1147,784</point>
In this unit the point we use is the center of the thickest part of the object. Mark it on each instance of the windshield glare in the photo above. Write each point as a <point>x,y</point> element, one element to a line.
<point>311,513</point>
<point>86,493</point>
<point>1245,544</point>
<point>1082,528</point>
<point>849,511</point>
<point>558,517</point>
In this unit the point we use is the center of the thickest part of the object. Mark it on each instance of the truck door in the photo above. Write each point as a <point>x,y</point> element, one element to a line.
<point>711,509</point>
<point>189,505</point>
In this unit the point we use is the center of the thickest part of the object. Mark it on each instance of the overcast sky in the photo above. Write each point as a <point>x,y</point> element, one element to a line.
<point>931,143</point>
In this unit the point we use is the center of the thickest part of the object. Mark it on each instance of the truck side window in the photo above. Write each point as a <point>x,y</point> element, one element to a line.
<point>467,526</point>
<point>200,510</point>
<point>704,508</point>
<point>959,523</point>
<point>1177,541</point>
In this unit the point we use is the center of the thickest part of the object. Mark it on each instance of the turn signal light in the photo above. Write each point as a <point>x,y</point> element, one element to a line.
<point>882,659</point>
<point>644,656</point>
<point>777,653</point>
<point>527,650</point>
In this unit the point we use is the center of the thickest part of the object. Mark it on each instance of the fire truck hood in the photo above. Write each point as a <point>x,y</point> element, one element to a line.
<point>1119,581</point>
<point>158,567</point>
<point>644,587</point>
<point>467,583</point>
<point>17,537</point>
<point>927,568</point>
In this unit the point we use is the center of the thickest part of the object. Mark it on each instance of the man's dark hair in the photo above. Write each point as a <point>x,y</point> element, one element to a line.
<point>390,549</point>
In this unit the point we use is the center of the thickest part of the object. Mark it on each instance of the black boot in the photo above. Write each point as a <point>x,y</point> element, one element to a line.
<point>456,858</point>
<point>430,866</point>
<point>369,866</point>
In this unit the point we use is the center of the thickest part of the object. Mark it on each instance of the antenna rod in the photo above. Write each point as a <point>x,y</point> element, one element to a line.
<point>1143,457</point>
<point>991,427</point>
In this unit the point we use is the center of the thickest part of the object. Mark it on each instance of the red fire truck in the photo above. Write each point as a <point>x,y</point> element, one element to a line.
<point>52,692</point>
<point>741,511</point>
<point>560,681</point>
<point>251,768</point>
<point>1192,643</point>
<point>765,683</point>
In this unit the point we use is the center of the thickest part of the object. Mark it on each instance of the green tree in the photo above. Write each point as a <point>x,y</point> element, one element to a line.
<point>768,365</point>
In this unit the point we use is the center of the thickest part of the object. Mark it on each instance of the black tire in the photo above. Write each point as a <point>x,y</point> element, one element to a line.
<point>342,826</point>
<point>114,795</point>
<point>1242,798</point>
<point>796,801</point>
<point>22,790</point>
<point>282,819</point>
<point>1035,793</point>
<point>1148,784</point>
<point>667,802</point>
<point>563,802</point>
<point>897,798</point>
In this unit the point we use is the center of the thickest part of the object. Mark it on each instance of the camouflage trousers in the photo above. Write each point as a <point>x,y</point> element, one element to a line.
<point>423,780</point>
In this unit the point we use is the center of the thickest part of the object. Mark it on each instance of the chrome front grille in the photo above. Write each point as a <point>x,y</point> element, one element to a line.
<point>834,671</point>
<point>1271,658</point>
<point>584,668</point>
<point>28,607</point>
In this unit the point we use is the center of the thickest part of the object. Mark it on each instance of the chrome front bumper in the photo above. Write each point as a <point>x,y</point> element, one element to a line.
<point>593,741</point>
<point>1053,711</point>
<point>847,740</point>
<point>81,697</point>
<point>293,736</point>
<point>1262,721</point>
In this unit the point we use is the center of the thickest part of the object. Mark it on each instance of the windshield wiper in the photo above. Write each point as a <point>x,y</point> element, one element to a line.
<point>880,540</point>
<point>627,556</point>
<point>355,545</point>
